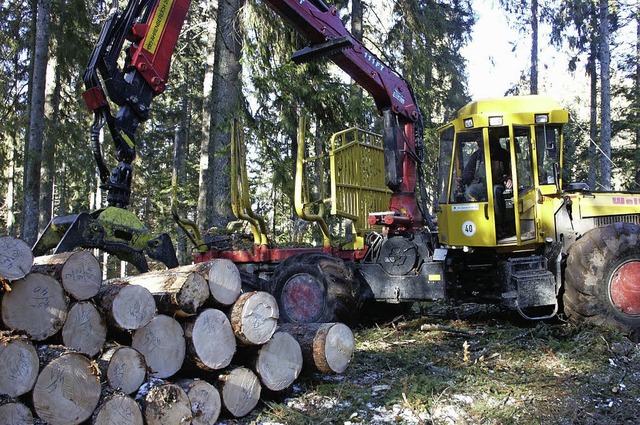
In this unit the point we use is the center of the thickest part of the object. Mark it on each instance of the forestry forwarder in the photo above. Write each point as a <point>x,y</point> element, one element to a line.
<point>527,244</point>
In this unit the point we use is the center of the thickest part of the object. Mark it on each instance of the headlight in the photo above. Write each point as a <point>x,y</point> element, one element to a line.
<point>541,118</point>
<point>468,123</point>
<point>495,121</point>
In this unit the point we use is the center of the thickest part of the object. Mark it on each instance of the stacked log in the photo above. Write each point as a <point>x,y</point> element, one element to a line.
<point>185,345</point>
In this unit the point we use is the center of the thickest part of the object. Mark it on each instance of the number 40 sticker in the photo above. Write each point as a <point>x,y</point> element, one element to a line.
<point>469,228</point>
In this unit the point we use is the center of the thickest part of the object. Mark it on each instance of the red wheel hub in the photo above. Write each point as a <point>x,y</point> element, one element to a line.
<point>625,287</point>
<point>303,298</point>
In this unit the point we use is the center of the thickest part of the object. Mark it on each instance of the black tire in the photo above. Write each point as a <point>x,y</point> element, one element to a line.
<point>316,288</point>
<point>602,278</point>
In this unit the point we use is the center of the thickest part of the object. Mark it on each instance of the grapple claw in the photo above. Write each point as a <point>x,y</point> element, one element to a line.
<point>114,230</point>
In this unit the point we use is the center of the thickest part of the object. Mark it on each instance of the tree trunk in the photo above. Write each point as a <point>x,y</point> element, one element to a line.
<point>11,195</point>
<point>124,368</point>
<point>210,340</point>
<point>605,96</point>
<point>85,329</point>
<point>534,47</point>
<point>36,304</point>
<point>48,169</point>
<point>226,102</point>
<point>19,364</point>
<point>16,412</point>
<point>68,387</point>
<point>240,390</point>
<point>162,344</point>
<point>326,347</point>
<point>79,272</point>
<point>206,183</point>
<point>179,171</point>
<point>166,404</point>
<point>279,362</point>
<point>33,148</point>
<point>593,114</point>
<point>205,401</point>
<point>181,291</point>
<point>117,409</point>
<point>16,258</point>
<point>254,317</point>
<point>636,88</point>
<point>127,307</point>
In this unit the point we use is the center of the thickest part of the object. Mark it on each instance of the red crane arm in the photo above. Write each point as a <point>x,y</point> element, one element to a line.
<point>321,26</point>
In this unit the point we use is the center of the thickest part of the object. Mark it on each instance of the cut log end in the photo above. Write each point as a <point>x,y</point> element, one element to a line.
<point>205,401</point>
<point>81,275</point>
<point>85,329</point>
<point>15,413</point>
<point>128,307</point>
<point>240,391</point>
<point>326,347</point>
<point>126,369</point>
<point>167,404</point>
<point>120,409</point>
<point>339,345</point>
<point>16,258</point>
<point>225,282</point>
<point>67,390</point>
<point>211,341</point>
<point>254,317</point>
<point>36,304</point>
<point>19,365</point>
<point>279,362</point>
<point>162,344</point>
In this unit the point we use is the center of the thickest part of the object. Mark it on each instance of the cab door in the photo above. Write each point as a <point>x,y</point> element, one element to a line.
<point>525,196</point>
<point>464,213</point>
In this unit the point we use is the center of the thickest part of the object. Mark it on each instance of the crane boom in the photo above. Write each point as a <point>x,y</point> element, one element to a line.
<point>321,26</point>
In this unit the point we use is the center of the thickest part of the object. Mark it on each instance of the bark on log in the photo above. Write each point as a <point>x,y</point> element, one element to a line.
<point>15,413</point>
<point>16,258</point>
<point>166,404</point>
<point>240,391</point>
<point>211,343</point>
<point>224,280</point>
<point>326,347</point>
<point>205,401</point>
<point>181,291</point>
<point>254,317</point>
<point>79,272</point>
<point>124,367</point>
<point>85,329</point>
<point>19,365</point>
<point>127,307</point>
<point>68,387</point>
<point>279,362</point>
<point>162,344</point>
<point>36,304</point>
<point>117,409</point>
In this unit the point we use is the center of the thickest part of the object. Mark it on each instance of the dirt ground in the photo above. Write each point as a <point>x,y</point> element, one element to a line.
<point>470,364</point>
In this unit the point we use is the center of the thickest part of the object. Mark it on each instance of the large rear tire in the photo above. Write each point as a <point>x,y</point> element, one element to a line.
<point>316,288</point>
<point>602,278</point>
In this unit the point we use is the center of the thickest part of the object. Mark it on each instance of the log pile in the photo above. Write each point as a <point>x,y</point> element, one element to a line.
<point>184,345</point>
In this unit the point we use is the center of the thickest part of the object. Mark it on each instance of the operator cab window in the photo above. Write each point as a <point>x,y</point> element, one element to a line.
<point>524,160</point>
<point>468,179</point>
<point>446,150</point>
<point>547,140</point>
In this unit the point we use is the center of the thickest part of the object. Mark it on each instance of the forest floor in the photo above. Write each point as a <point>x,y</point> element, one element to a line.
<point>470,364</point>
